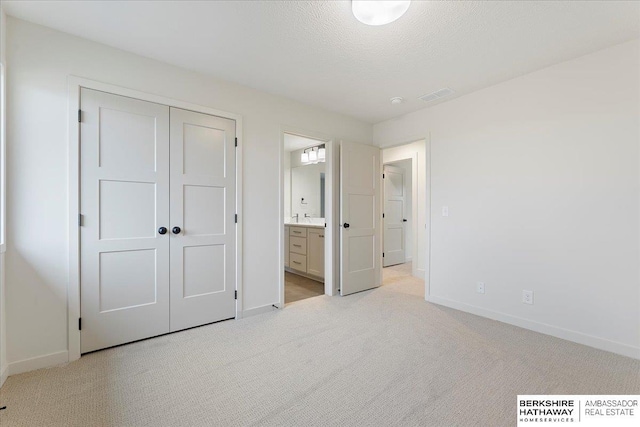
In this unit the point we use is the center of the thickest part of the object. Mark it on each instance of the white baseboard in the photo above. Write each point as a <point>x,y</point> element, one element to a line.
<point>4,373</point>
<point>408,259</point>
<point>258,310</point>
<point>543,328</point>
<point>39,362</point>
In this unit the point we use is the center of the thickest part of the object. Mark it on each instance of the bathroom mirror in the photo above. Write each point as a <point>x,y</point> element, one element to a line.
<point>307,191</point>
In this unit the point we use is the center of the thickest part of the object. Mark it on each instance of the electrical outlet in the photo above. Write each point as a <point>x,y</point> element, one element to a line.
<point>480,287</point>
<point>527,297</point>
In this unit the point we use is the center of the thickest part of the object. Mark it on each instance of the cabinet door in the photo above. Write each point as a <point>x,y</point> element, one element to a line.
<point>315,252</point>
<point>286,246</point>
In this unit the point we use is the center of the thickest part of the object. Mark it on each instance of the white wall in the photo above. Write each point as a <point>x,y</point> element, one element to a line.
<point>417,151</point>
<point>541,176</point>
<point>3,323</point>
<point>37,260</point>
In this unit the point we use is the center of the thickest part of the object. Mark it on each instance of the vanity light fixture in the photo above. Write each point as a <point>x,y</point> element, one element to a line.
<point>313,155</point>
<point>378,12</point>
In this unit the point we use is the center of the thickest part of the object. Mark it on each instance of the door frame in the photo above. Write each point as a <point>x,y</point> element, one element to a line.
<point>73,291</point>
<point>330,206</point>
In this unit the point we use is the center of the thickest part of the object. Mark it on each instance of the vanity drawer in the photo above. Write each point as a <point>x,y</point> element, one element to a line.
<point>298,262</point>
<point>298,245</point>
<point>298,231</point>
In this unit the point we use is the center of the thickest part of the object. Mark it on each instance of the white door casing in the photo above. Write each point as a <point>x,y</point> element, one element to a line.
<point>203,188</point>
<point>360,228</point>
<point>394,216</point>
<point>124,200</point>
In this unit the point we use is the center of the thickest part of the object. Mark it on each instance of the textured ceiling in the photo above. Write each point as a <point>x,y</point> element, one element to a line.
<point>316,52</point>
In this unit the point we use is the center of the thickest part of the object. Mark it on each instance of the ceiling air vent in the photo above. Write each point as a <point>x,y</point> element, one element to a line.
<point>442,93</point>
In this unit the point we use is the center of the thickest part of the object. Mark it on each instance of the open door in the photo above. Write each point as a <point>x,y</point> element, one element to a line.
<point>360,226</point>
<point>394,216</point>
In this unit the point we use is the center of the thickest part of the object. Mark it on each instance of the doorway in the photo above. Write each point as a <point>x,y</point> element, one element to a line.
<point>406,251</point>
<point>307,184</point>
<point>397,216</point>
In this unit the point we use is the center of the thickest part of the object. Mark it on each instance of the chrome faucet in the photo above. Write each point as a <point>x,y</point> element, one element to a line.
<point>296,217</point>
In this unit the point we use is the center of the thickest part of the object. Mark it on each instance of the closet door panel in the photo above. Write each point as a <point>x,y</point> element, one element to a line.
<point>203,264</point>
<point>124,200</point>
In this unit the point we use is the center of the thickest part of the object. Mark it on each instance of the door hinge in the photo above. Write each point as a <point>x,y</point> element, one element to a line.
<point>236,295</point>
<point>236,142</point>
<point>382,176</point>
<point>382,254</point>
<point>79,116</point>
<point>80,323</point>
<point>236,218</point>
<point>383,215</point>
<point>79,220</point>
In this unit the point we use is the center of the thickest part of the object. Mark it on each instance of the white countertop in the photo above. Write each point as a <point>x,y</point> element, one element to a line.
<point>303,224</point>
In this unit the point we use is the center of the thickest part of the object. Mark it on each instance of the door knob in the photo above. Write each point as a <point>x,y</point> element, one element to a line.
<point>176,230</point>
<point>346,225</point>
<point>162,230</point>
<point>404,220</point>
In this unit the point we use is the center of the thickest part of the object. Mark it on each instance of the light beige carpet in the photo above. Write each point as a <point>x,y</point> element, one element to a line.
<point>378,358</point>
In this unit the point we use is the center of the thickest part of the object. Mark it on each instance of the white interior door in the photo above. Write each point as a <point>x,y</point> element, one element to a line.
<point>203,189</point>
<point>360,231</point>
<point>124,201</point>
<point>394,217</point>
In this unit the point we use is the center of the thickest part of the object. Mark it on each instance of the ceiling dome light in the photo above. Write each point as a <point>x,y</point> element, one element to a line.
<point>396,100</point>
<point>379,12</point>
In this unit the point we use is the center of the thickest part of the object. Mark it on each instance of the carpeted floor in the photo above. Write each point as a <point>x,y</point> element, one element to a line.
<point>377,358</point>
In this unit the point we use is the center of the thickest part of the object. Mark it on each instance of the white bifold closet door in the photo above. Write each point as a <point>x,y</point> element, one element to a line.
<point>140,275</point>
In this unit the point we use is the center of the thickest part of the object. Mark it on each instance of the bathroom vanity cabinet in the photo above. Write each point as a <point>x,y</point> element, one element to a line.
<point>304,249</point>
